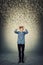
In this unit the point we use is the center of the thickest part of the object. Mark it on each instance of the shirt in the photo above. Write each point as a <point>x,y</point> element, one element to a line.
<point>21,36</point>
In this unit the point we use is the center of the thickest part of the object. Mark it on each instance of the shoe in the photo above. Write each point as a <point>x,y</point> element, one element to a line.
<point>19,62</point>
<point>22,61</point>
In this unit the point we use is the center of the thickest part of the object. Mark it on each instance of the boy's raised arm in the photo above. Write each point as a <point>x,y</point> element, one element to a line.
<point>16,31</point>
<point>26,31</point>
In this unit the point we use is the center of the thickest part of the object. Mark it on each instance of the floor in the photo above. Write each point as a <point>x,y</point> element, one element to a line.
<point>12,59</point>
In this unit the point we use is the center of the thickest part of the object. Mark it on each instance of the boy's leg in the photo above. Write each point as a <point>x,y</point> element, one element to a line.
<point>19,50</point>
<point>23,46</point>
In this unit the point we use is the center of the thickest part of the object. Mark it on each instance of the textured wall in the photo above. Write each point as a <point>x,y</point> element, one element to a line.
<point>21,12</point>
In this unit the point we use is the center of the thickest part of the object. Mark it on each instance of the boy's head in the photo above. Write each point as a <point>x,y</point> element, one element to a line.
<point>21,28</point>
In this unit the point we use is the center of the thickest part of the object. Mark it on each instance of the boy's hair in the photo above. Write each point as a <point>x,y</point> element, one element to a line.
<point>21,27</point>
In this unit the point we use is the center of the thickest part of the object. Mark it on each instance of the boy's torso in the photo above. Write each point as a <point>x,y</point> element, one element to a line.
<point>21,38</point>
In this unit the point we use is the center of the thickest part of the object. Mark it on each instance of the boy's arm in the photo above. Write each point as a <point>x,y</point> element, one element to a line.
<point>26,31</point>
<point>16,31</point>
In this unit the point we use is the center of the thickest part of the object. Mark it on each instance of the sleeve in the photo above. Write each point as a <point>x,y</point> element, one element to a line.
<point>26,31</point>
<point>16,31</point>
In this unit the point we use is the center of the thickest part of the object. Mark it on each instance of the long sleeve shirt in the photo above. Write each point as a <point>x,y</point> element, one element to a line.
<point>21,36</point>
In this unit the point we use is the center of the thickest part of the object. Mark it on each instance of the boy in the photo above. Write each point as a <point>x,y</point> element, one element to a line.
<point>21,42</point>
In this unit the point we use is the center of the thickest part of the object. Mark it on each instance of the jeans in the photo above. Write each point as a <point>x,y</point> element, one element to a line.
<point>21,51</point>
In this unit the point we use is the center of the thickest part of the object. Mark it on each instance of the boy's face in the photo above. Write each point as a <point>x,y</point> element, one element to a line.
<point>21,29</point>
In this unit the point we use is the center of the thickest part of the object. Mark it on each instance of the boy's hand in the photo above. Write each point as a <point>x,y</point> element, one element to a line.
<point>16,29</point>
<point>25,29</point>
